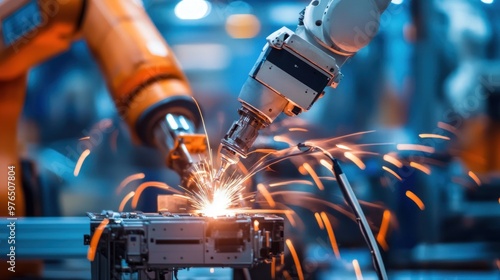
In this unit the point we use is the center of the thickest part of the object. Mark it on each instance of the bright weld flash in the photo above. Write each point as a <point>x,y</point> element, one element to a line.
<point>219,205</point>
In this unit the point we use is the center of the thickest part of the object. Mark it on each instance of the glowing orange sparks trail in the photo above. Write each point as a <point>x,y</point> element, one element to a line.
<point>447,127</point>
<point>393,160</point>
<point>475,178</point>
<point>287,275</point>
<point>343,147</point>
<point>263,190</point>
<point>318,219</point>
<point>386,218</point>
<point>298,129</point>
<point>415,199</point>
<point>392,172</point>
<point>145,185</point>
<point>421,167</point>
<point>435,136</point>
<point>355,159</point>
<point>80,161</point>
<point>125,200</point>
<point>413,147</point>
<point>95,239</point>
<point>357,270</point>
<point>84,138</point>
<point>290,218</point>
<point>295,258</point>
<point>126,181</point>
<point>313,174</point>
<point>284,183</point>
<point>331,235</point>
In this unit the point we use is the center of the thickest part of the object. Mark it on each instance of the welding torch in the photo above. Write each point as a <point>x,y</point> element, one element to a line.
<point>294,68</point>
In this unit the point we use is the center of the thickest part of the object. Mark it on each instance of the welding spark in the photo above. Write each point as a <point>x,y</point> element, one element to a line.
<point>343,147</point>
<point>384,226</point>
<point>263,190</point>
<point>215,197</point>
<point>286,183</point>
<point>434,136</point>
<point>146,185</point>
<point>95,239</point>
<point>392,172</point>
<point>413,147</point>
<point>393,160</point>
<point>295,258</point>
<point>448,127</point>
<point>475,178</point>
<point>331,235</point>
<point>298,129</point>
<point>421,167</point>
<point>356,160</point>
<point>357,270</point>
<point>80,161</point>
<point>128,179</point>
<point>125,200</point>
<point>313,175</point>
<point>318,219</point>
<point>84,138</point>
<point>415,199</point>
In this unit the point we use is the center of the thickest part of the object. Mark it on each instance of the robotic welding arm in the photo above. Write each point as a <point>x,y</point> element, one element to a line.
<point>294,68</point>
<point>147,85</point>
<point>149,89</point>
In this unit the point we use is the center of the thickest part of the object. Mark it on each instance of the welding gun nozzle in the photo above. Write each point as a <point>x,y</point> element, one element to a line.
<point>223,167</point>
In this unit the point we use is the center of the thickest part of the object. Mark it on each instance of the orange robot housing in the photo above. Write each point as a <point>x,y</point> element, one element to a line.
<point>142,74</point>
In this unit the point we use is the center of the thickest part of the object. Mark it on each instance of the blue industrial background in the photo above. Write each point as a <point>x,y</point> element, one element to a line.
<point>424,67</point>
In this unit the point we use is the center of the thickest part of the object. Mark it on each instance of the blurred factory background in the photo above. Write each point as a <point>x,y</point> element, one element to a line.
<point>433,68</point>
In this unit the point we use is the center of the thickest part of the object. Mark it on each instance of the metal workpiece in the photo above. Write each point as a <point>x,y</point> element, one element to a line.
<point>157,244</point>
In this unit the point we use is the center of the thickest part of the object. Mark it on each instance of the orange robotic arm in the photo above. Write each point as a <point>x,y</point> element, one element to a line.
<point>146,83</point>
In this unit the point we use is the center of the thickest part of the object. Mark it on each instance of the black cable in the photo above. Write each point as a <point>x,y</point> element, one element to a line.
<point>352,201</point>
